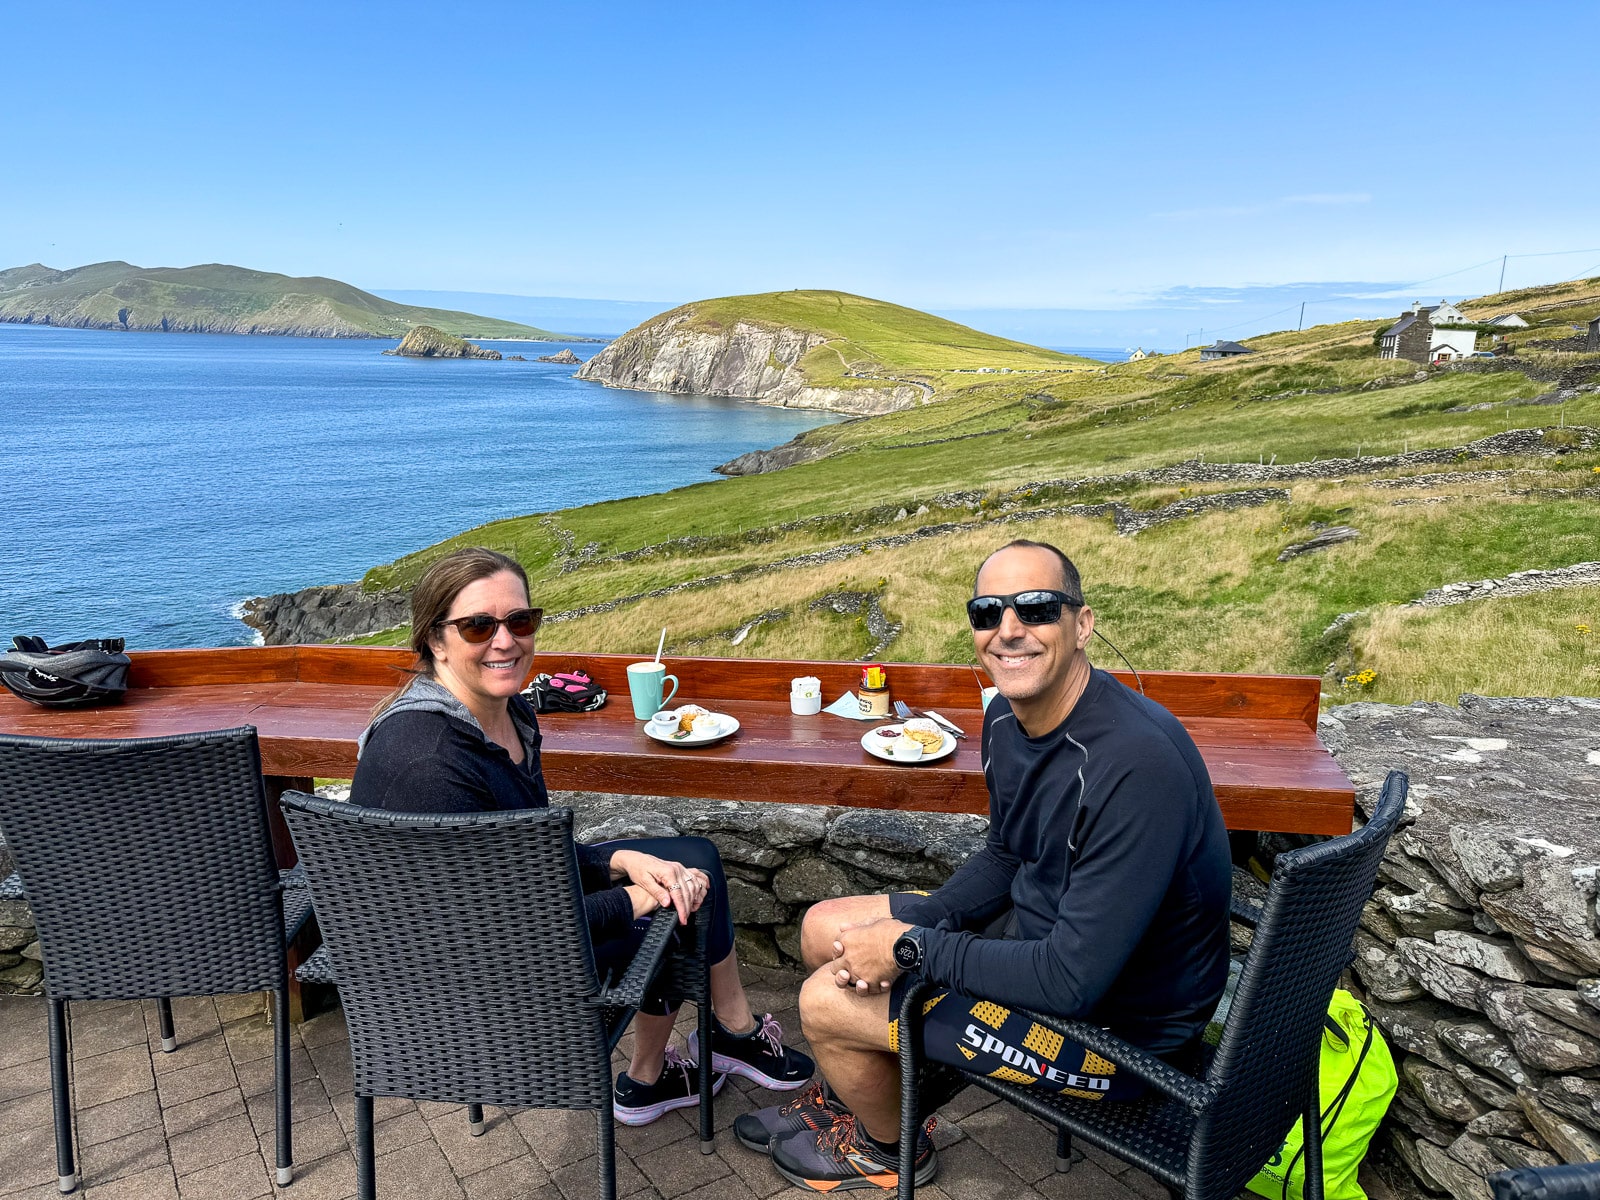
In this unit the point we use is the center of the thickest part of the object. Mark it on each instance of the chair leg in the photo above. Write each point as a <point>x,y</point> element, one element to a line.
<point>61,1095</point>
<point>169,1036</point>
<point>280,1048</point>
<point>366,1163</point>
<point>475,1119</point>
<point>1311,1131</point>
<point>703,1007</point>
<point>910,1017</point>
<point>1063,1151</point>
<point>608,1153</point>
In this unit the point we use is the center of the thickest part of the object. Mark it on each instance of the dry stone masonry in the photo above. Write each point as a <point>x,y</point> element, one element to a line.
<point>1479,955</point>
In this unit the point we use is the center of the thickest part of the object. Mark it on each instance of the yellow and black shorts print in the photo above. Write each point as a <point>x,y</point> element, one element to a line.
<point>990,1039</point>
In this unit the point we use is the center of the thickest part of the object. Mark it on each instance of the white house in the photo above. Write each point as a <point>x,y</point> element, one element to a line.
<point>1508,321</point>
<point>1417,336</point>
<point>1139,355</point>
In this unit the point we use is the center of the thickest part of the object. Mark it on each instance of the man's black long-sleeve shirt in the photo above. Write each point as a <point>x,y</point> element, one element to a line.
<point>1105,837</point>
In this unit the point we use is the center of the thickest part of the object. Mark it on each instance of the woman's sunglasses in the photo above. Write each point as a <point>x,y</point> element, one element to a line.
<point>1039,607</point>
<point>480,627</point>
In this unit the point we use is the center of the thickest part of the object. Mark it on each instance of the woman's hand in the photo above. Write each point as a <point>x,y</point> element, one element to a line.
<point>667,883</point>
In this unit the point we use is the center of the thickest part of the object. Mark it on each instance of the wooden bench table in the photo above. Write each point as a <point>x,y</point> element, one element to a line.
<point>1257,733</point>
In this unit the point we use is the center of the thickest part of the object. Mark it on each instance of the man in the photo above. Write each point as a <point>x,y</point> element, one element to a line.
<point>1103,888</point>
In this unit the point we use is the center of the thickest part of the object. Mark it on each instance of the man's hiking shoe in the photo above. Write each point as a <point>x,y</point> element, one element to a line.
<point>810,1110</point>
<point>759,1055</point>
<point>638,1103</point>
<point>842,1157</point>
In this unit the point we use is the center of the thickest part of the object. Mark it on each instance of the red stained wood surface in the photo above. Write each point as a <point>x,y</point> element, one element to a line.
<point>309,704</point>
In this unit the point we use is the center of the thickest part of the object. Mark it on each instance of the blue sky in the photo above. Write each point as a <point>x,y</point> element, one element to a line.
<point>1170,165</point>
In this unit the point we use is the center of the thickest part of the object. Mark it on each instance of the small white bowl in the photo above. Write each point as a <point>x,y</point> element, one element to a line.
<point>907,749</point>
<point>666,721</point>
<point>805,706</point>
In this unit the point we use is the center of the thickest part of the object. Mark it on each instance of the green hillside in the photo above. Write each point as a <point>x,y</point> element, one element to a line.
<point>907,504</point>
<point>217,298</point>
<point>870,337</point>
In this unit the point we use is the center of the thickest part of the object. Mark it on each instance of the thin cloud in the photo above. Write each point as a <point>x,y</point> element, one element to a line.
<point>1321,199</point>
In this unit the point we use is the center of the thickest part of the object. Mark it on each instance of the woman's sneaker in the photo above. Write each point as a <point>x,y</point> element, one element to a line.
<point>759,1055</point>
<point>638,1103</point>
<point>811,1109</point>
<point>842,1157</point>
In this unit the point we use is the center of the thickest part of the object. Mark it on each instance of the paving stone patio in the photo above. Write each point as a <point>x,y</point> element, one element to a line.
<point>197,1124</point>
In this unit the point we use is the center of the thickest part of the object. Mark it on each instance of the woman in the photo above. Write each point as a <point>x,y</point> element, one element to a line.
<point>459,737</point>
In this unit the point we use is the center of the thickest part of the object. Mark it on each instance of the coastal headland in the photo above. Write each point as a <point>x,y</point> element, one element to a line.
<point>807,349</point>
<point>1307,507</point>
<point>218,298</point>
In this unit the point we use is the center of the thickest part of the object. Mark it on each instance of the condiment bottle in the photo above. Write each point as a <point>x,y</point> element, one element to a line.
<point>873,694</point>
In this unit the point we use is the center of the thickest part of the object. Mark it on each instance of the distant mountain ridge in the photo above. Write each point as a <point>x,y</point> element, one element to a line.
<point>219,298</point>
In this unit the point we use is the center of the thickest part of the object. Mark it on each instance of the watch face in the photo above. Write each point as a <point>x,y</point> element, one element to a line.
<point>905,953</point>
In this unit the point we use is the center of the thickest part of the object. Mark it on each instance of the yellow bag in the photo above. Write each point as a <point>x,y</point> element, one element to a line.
<point>1356,1082</point>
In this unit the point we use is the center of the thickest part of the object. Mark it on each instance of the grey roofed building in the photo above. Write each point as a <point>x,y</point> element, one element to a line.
<point>1222,349</point>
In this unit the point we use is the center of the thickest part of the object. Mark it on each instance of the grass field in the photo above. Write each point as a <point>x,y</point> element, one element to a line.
<point>1201,593</point>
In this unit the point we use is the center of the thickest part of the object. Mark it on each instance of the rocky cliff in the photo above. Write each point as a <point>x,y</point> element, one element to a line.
<point>324,614</point>
<point>745,360</point>
<point>424,341</point>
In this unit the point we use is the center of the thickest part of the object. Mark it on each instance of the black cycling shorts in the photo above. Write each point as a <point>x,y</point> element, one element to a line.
<point>989,1039</point>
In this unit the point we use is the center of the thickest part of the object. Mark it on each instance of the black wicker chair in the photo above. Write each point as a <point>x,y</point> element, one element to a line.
<point>1205,1137</point>
<point>1580,1181</point>
<point>148,864</point>
<point>463,962</point>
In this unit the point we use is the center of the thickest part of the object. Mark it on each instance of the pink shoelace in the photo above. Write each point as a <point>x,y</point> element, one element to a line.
<point>671,1058</point>
<point>771,1032</point>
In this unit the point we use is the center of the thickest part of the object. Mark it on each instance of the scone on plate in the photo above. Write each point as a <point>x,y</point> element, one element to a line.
<point>924,731</point>
<point>687,714</point>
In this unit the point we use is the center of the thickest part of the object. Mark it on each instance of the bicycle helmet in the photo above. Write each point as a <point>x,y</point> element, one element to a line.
<point>66,676</point>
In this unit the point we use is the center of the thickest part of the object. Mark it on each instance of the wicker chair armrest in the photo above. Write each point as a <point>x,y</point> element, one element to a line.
<point>1161,1075</point>
<point>628,992</point>
<point>11,887</point>
<point>317,968</point>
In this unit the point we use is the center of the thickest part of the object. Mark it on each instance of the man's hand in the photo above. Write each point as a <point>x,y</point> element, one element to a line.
<point>865,955</point>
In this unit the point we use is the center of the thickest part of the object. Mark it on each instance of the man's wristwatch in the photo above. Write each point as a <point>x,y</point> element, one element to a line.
<point>908,949</point>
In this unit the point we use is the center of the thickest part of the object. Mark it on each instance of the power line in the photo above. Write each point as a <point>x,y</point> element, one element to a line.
<point>1415,284</point>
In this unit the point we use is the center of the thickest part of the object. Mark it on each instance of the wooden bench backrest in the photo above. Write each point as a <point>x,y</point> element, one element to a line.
<point>1185,693</point>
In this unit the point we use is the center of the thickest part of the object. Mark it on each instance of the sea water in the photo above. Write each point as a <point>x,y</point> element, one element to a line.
<point>154,481</point>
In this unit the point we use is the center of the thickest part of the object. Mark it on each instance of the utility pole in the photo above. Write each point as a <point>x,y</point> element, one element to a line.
<point>1302,324</point>
<point>1502,286</point>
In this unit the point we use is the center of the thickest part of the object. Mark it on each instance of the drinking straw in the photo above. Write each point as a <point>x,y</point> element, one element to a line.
<point>662,643</point>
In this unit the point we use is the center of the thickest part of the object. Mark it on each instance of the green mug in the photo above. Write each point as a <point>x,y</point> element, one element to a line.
<point>645,681</point>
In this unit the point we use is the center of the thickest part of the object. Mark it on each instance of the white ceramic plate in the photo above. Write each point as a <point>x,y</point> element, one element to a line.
<point>875,744</point>
<point>729,726</point>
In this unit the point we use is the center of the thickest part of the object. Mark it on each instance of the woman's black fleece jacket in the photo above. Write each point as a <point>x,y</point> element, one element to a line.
<point>427,753</point>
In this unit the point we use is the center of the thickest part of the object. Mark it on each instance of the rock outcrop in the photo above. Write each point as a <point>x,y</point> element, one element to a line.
<point>324,614</point>
<point>424,341</point>
<point>746,360</point>
<point>802,448</point>
<point>564,356</point>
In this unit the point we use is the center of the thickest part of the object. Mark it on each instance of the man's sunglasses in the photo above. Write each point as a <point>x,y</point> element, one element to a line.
<point>481,627</point>
<point>1039,607</point>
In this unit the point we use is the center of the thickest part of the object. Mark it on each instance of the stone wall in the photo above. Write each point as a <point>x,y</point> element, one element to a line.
<point>1479,955</point>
